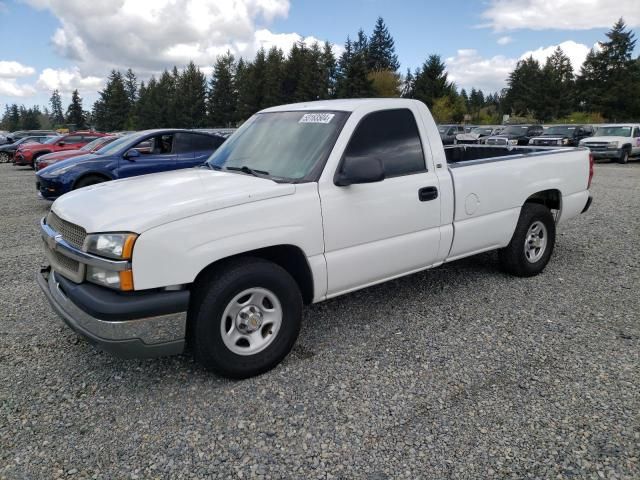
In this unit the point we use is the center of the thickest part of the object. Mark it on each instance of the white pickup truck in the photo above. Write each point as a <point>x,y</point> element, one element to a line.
<point>303,203</point>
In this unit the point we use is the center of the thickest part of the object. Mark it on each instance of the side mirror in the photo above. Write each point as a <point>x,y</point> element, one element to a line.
<point>61,144</point>
<point>132,154</point>
<point>360,170</point>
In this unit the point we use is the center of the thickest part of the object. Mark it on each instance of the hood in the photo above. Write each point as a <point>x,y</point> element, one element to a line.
<point>53,170</point>
<point>140,203</point>
<point>468,136</point>
<point>62,155</point>
<point>607,139</point>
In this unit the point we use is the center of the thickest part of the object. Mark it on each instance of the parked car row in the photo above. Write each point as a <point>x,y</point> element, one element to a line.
<point>8,150</point>
<point>11,137</point>
<point>617,142</point>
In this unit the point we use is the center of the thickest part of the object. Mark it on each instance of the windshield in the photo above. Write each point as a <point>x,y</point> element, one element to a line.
<point>613,131</point>
<point>443,128</point>
<point>482,131</point>
<point>514,130</point>
<point>287,145</point>
<point>96,143</point>
<point>116,145</point>
<point>560,130</point>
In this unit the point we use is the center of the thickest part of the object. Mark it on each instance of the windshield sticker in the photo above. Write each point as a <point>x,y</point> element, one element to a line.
<point>317,118</point>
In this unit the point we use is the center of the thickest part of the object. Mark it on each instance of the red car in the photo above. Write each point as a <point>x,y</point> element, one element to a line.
<point>51,158</point>
<point>28,153</point>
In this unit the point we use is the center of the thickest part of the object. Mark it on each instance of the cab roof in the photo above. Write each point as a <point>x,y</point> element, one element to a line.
<point>344,105</point>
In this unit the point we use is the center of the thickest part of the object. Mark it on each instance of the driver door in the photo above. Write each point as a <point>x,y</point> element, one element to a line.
<point>156,155</point>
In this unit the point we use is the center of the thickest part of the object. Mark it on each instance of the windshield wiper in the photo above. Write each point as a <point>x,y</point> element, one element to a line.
<point>249,170</point>
<point>211,166</point>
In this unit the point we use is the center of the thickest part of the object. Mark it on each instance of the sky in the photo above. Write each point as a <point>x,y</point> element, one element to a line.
<point>69,44</point>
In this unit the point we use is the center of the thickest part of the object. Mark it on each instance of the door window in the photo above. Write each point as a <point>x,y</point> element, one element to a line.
<point>182,143</point>
<point>392,136</point>
<point>72,139</point>
<point>206,142</point>
<point>636,132</point>
<point>159,145</point>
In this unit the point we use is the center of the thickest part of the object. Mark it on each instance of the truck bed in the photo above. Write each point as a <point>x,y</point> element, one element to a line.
<point>492,183</point>
<point>460,154</point>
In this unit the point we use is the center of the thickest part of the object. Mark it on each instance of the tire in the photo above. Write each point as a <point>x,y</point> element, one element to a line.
<point>4,157</point>
<point>624,158</point>
<point>535,226</point>
<point>34,160</point>
<point>271,303</point>
<point>88,180</point>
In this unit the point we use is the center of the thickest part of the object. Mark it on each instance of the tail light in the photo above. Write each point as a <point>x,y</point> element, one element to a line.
<point>590,170</point>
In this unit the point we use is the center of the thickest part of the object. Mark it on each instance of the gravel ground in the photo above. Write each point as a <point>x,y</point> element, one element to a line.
<point>459,372</point>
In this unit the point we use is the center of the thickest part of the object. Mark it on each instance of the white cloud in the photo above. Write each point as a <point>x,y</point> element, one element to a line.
<point>150,35</point>
<point>11,88</point>
<point>504,40</point>
<point>504,15</point>
<point>67,80</point>
<point>470,69</point>
<point>577,52</point>
<point>10,69</point>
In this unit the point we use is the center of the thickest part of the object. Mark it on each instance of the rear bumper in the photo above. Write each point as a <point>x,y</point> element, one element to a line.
<point>588,204</point>
<point>158,329</point>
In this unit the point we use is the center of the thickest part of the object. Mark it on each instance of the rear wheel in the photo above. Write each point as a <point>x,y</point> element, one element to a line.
<point>244,318</point>
<point>4,157</point>
<point>89,180</point>
<point>532,243</point>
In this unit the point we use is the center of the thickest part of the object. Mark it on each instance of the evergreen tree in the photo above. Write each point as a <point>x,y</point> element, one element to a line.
<point>191,98</point>
<point>273,78</point>
<point>30,118</point>
<point>353,81</point>
<point>609,80</point>
<point>329,72</point>
<point>131,86</point>
<point>557,87</point>
<point>465,98</point>
<point>431,81</point>
<point>222,99</point>
<point>523,93</point>
<point>381,55</point>
<point>75,114</point>
<point>113,111</point>
<point>244,83</point>
<point>408,85</point>
<point>12,121</point>
<point>56,108</point>
<point>164,99</point>
<point>148,107</point>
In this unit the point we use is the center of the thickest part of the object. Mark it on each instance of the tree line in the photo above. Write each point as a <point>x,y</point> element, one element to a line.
<point>607,87</point>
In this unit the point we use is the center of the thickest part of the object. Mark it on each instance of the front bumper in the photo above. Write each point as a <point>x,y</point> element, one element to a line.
<point>18,159</point>
<point>137,325</point>
<point>607,154</point>
<point>47,189</point>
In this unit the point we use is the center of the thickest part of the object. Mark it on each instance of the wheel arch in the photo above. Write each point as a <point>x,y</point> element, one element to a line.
<point>90,174</point>
<point>289,257</point>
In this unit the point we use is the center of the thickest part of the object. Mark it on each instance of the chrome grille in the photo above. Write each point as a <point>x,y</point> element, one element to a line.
<point>596,146</point>
<point>71,233</point>
<point>66,263</point>
<point>497,141</point>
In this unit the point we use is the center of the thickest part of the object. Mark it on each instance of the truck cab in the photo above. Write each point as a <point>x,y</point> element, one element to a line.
<point>615,142</point>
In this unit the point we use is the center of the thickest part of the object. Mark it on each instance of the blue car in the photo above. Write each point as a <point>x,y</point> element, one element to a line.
<point>139,153</point>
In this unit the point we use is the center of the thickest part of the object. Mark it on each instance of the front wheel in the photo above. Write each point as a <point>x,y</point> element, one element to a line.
<point>88,180</point>
<point>4,157</point>
<point>244,318</point>
<point>624,158</point>
<point>532,243</point>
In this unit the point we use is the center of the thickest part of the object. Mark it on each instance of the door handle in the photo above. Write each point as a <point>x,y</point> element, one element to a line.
<point>427,193</point>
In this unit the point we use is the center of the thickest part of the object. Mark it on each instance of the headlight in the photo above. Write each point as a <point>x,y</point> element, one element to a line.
<point>122,280</point>
<point>118,246</point>
<point>612,145</point>
<point>531,142</point>
<point>513,142</point>
<point>565,141</point>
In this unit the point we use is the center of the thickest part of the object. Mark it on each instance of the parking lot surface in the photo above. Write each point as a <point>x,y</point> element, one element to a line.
<point>457,372</point>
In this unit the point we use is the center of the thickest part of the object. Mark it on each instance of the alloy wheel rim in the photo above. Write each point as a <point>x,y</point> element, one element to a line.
<point>251,321</point>
<point>535,242</point>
